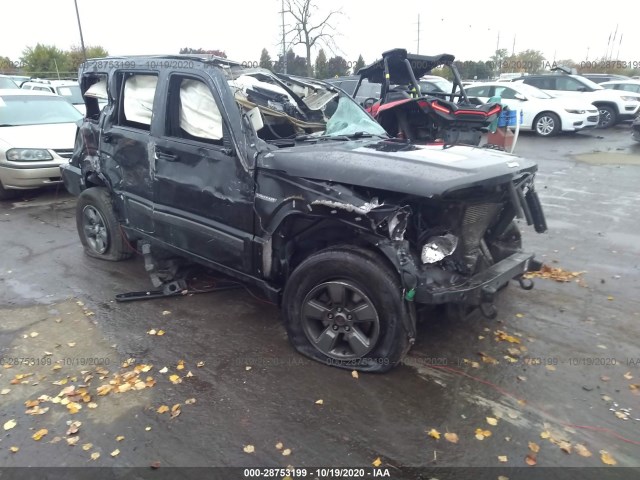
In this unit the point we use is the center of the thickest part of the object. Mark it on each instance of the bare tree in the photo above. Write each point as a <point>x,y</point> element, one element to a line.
<point>308,32</point>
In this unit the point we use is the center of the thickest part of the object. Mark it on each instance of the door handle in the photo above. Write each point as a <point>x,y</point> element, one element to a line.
<point>166,156</point>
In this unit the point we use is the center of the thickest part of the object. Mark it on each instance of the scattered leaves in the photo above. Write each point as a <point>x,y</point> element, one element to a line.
<point>4,391</point>
<point>166,312</point>
<point>286,452</point>
<point>14,449</point>
<point>279,445</point>
<point>153,331</point>
<point>606,458</point>
<point>73,440</point>
<point>565,447</point>
<point>482,434</point>
<point>354,374</point>
<point>319,402</point>
<point>39,434</point>
<point>487,359</point>
<point>8,425</point>
<point>87,446</point>
<point>33,334</point>
<point>534,447</point>
<point>451,437</point>
<point>119,438</point>
<point>175,379</point>
<point>551,368</point>
<point>200,364</point>
<point>180,365</point>
<point>377,462</point>
<point>115,453</point>
<point>95,455</point>
<point>545,434</point>
<point>503,458</point>
<point>160,333</point>
<point>557,274</point>
<point>147,428</point>
<point>71,344</point>
<point>492,421</point>
<point>190,401</point>
<point>531,459</point>
<point>92,405</point>
<point>249,449</point>
<point>434,433</point>
<point>175,410</point>
<point>628,376</point>
<point>163,370</point>
<point>163,409</point>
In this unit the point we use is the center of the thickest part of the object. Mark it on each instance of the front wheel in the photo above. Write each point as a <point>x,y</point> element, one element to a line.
<point>344,307</point>
<point>98,227</point>
<point>608,116</point>
<point>547,124</point>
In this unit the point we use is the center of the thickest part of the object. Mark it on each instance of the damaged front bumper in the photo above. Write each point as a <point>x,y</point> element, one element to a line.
<point>478,289</point>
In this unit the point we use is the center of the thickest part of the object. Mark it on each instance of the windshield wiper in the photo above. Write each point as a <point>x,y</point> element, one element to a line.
<point>7,125</point>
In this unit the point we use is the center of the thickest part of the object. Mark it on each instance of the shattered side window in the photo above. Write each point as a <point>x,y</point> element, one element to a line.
<point>139,92</point>
<point>349,119</point>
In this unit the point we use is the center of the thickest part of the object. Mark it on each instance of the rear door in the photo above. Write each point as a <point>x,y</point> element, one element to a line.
<point>202,194</point>
<point>125,145</point>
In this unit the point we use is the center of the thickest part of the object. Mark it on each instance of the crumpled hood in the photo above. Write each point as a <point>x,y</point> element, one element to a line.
<point>423,170</point>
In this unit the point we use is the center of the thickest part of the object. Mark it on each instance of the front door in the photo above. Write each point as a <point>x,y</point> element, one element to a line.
<point>203,197</point>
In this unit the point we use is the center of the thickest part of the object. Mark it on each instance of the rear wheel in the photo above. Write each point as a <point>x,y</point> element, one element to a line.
<point>344,307</point>
<point>98,227</point>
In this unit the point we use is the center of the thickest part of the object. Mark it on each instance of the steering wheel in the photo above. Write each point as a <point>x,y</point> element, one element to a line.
<point>369,102</point>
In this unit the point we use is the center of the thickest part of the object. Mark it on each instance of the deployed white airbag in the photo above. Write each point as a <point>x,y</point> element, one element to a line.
<point>139,91</point>
<point>98,90</point>
<point>199,114</point>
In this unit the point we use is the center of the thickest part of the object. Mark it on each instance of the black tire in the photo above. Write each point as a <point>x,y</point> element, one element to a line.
<point>372,307</point>
<point>6,194</point>
<point>546,124</point>
<point>98,227</point>
<point>608,116</point>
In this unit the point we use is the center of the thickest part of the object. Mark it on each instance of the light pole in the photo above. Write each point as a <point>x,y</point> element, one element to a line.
<point>84,51</point>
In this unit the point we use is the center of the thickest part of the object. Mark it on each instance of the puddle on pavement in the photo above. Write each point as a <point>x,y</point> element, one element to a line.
<point>609,158</point>
<point>46,350</point>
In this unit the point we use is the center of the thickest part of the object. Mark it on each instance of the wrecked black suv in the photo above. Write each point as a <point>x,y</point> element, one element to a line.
<point>287,184</point>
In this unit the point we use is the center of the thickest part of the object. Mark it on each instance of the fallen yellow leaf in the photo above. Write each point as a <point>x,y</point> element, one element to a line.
<point>4,391</point>
<point>434,433</point>
<point>606,458</point>
<point>320,402</point>
<point>175,379</point>
<point>531,459</point>
<point>95,455</point>
<point>160,333</point>
<point>166,312</point>
<point>582,450</point>
<point>39,434</point>
<point>163,409</point>
<point>354,374</point>
<point>551,368</point>
<point>115,453</point>
<point>163,370</point>
<point>628,376</point>
<point>565,446</point>
<point>92,405</point>
<point>14,449</point>
<point>180,365</point>
<point>286,452</point>
<point>249,449</point>
<point>534,447</point>
<point>87,446</point>
<point>119,438</point>
<point>104,389</point>
<point>502,458</point>
<point>451,437</point>
<point>200,364</point>
<point>492,421</point>
<point>377,462</point>
<point>545,434</point>
<point>8,425</point>
<point>279,445</point>
<point>190,401</point>
<point>153,331</point>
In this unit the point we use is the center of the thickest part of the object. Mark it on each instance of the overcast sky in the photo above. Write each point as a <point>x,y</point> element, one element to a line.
<point>243,27</point>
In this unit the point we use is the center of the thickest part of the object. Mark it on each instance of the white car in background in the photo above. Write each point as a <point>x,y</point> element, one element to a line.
<point>630,85</point>
<point>37,134</point>
<point>69,89</point>
<point>542,113</point>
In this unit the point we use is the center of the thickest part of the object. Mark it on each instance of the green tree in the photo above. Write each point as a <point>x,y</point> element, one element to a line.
<point>295,65</point>
<point>75,56</point>
<point>265,60</point>
<point>7,65</point>
<point>321,65</point>
<point>359,64</point>
<point>45,60</point>
<point>337,67</point>
<point>497,60</point>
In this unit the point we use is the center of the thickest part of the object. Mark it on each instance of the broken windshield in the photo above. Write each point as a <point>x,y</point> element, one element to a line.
<point>350,119</point>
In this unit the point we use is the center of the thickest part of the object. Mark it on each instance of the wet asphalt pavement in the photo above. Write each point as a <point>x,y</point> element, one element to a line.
<point>550,369</point>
